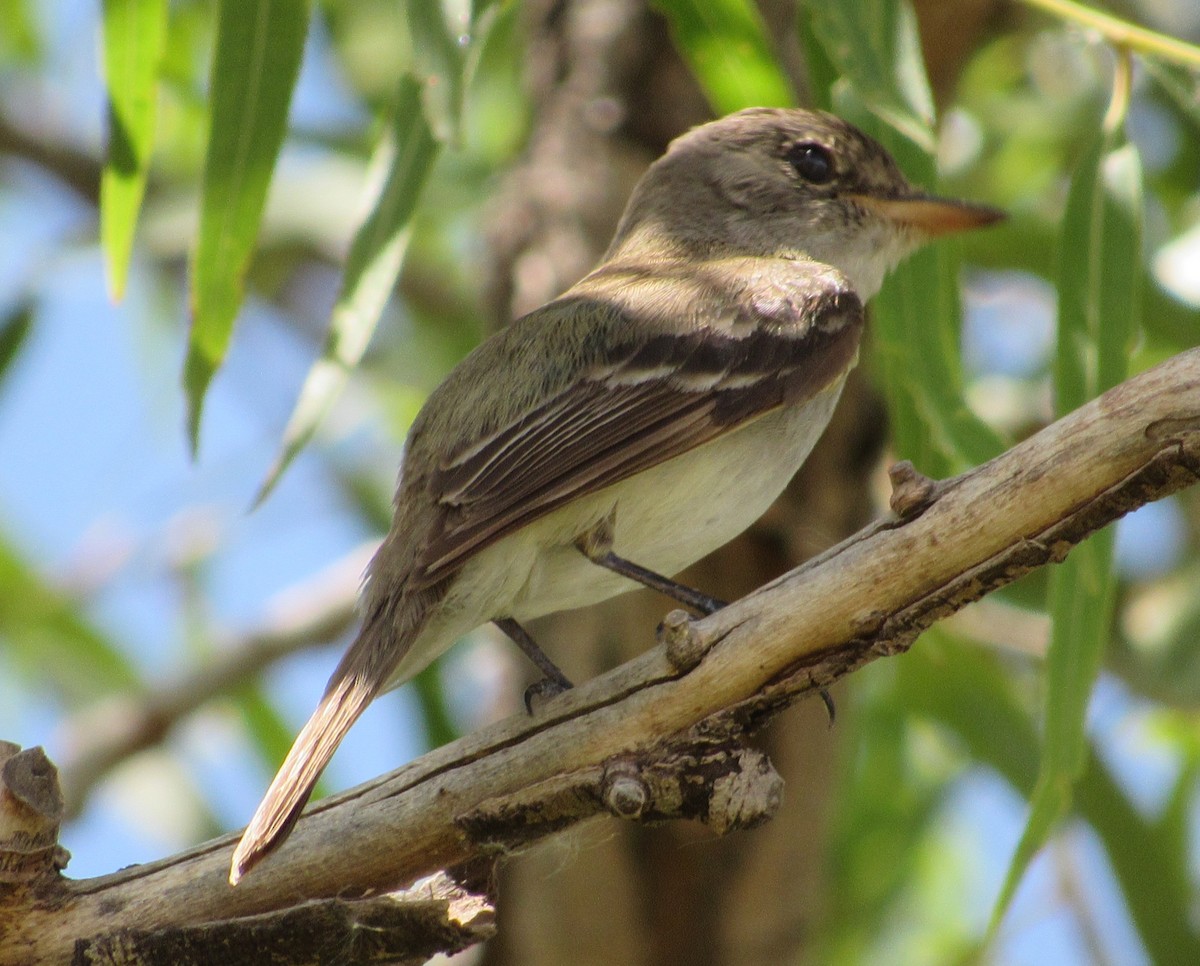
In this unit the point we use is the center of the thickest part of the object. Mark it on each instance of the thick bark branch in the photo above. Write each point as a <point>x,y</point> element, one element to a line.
<point>638,741</point>
<point>400,929</point>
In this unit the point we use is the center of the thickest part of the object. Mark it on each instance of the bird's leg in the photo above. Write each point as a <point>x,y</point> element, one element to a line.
<point>830,707</point>
<point>596,545</point>
<point>688,596</point>
<point>553,681</point>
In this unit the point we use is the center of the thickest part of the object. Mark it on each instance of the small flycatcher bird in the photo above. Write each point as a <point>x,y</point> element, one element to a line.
<point>639,421</point>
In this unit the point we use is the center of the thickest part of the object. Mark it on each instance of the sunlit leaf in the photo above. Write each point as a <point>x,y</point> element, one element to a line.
<point>254,69</point>
<point>446,35</point>
<point>1100,265</point>
<point>19,40</point>
<point>725,44</point>
<point>402,164</point>
<point>1100,269</point>
<point>877,48</point>
<point>134,35</point>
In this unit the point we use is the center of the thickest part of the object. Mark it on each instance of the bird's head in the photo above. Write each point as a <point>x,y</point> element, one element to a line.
<point>790,183</point>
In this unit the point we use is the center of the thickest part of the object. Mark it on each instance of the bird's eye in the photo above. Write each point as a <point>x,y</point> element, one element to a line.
<point>812,162</point>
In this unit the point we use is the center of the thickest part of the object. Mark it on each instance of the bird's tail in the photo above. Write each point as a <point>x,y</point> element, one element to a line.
<point>380,657</point>
<point>345,699</point>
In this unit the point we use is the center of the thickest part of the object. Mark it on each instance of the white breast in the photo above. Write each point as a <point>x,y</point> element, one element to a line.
<point>671,515</point>
<point>667,517</point>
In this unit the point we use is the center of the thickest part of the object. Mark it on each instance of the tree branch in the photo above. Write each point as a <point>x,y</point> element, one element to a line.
<point>318,611</point>
<point>75,168</point>
<point>635,740</point>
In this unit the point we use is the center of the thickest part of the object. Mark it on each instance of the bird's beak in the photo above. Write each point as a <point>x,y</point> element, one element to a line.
<point>932,216</point>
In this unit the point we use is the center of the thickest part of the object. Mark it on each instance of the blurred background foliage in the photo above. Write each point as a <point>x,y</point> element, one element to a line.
<point>298,201</point>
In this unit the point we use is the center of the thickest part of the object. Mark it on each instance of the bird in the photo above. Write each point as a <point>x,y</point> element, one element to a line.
<point>640,420</point>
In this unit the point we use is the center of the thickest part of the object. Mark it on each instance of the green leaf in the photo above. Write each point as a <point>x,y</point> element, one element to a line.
<point>821,71</point>
<point>1081,604</point>
<point>916,321</point>
<point>1169,671</point>
<point>877,48</point>
<point>406,154</point>
<point>264,725</point>
<point>1150,859</point>
<point>967,689</point>
<point>1179,83</point>
<point>726,46</point>
<point>1100,265</point>
<point>886,809</point>
<point>435,710</point>
<point>447,38</point>
<point>14,330</point>
<point>46,631</point>
<point>254,69</point>
<point>19,40</point>
<point>134,36</point>
<point>903,314</point>
<point>917,324</point>
<point>439,61</point>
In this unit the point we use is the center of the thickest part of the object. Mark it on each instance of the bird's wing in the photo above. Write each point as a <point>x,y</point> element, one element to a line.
<point>645,402</point>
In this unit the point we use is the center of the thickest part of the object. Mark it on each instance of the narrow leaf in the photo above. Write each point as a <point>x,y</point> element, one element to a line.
<point>966,689</point>
<point>1100,265</point>
<point>1099,274</point>
<point>479,8</point>
<point>441,34</point>
<point>403,160</point>
<point>726,46</point>
<point>876,47</point>
<point>821,71</point>
<point>134,36</point>
<point>448,38</point>
<point>434,708</point>
<point>916,319</point>
<point>19,38</point>
<point>264,725</point>
<point>48,633</point>
<point>917,323</point>
<point>257,59</point>
<point>14,330</point>
<point>1180,84</point>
